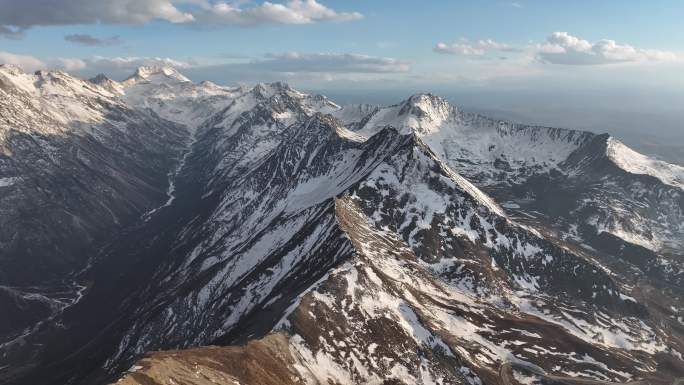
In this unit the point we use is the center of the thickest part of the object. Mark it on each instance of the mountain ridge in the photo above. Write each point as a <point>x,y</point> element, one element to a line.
<point>296,231</point>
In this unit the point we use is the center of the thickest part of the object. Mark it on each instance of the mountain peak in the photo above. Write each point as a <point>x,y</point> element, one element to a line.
<point>636,163</point>
<point>149,72</point>
<point>269,89</point>
<point>55,74</point>
<point>423,96</point>
<point>426,104</point>
<point>100,79</point>
<point>11,69</point>
<point>425,113</point>
<point>209,84</point>
<point>105,82</point>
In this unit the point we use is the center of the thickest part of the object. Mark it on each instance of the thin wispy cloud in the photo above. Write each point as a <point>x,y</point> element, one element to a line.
<point>270,67</point>
<point>92,41</point>
<point>331,63</point>
<point>10,32</point>
<point>465,48</point>
<point>232,56</point>
<point>458,49</point>
<point>386,44</point>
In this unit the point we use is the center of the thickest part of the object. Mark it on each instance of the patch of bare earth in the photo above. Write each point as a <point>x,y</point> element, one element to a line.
<point>263,362</point>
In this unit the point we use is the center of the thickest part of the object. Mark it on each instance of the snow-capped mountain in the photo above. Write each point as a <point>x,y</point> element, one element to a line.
<point>409,244</point>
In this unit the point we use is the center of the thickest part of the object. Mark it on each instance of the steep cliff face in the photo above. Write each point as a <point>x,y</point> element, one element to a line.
<point>414,243</point>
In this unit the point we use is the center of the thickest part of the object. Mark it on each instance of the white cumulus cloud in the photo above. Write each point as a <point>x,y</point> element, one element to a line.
<point>291,12</point>
<point>69,64</point>
<point>563,48</point>
<point>27,63</point>
<point>18,16</point>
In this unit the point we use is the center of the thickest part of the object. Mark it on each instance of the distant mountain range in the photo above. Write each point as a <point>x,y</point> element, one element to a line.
<point>160,231</point>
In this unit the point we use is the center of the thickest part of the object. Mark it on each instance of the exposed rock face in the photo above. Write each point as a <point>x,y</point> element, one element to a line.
<point>410,244</point>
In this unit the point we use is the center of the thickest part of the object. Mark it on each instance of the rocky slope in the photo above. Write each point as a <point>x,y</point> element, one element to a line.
<point>76,164</point>
<point>414,243</point>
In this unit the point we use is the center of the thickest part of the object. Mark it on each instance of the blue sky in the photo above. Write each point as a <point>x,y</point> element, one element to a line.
<point>608,65</point>
<point>404,32</point>
<point>411,26</point>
